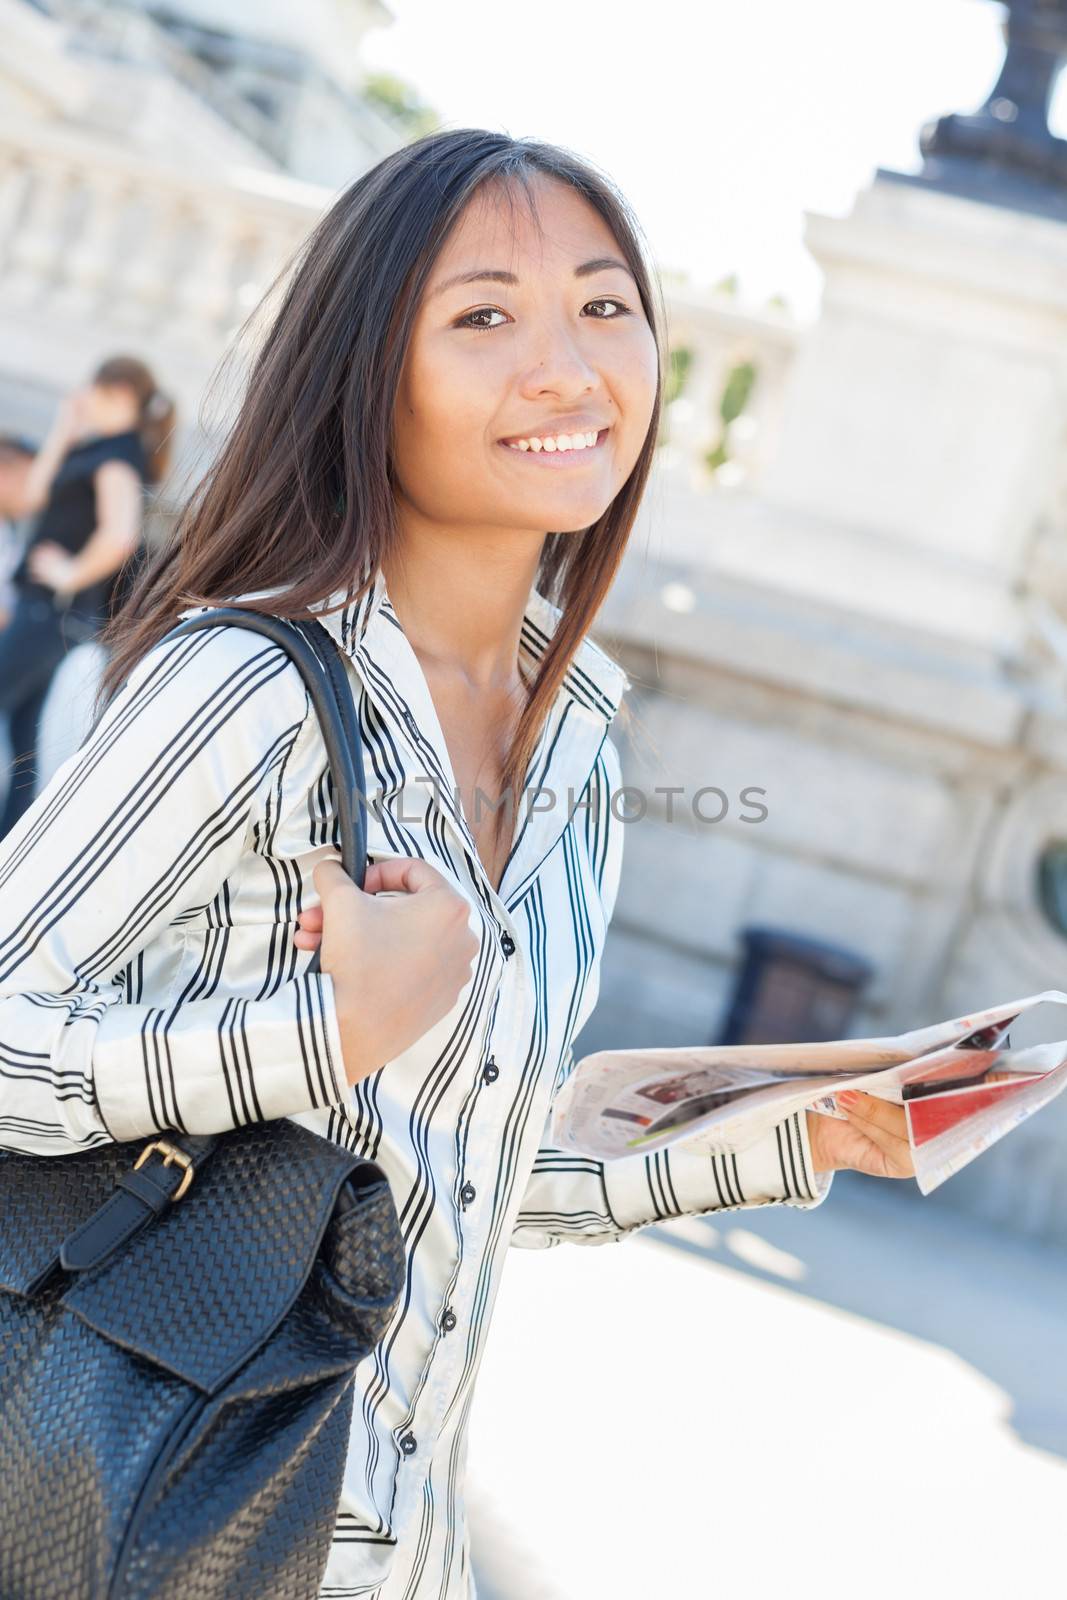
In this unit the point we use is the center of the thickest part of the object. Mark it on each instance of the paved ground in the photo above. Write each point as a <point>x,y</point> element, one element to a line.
<point>868,1400</point>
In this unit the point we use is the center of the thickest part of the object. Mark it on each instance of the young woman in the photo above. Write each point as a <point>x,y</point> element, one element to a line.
<point>86,482</point>
<point>443,446</point>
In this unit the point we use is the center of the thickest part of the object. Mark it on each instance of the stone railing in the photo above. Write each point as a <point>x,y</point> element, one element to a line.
<point>727,348</point>
<point>104,250</point>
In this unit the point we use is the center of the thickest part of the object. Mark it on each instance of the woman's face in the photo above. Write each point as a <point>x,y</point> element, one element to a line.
<point>109,407</point>
<point>561,350</point>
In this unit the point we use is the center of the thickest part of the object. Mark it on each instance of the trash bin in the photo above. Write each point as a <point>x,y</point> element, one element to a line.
<point>791,988</point>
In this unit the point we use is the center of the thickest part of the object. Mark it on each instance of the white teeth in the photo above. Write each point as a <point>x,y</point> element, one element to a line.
<point>561,441</point>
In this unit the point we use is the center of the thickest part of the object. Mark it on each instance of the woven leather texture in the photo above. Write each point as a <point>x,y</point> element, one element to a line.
<point>183,1410</point>
<point>251,1261</point>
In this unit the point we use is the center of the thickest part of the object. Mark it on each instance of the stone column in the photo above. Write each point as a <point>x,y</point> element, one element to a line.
<point>926,409</point>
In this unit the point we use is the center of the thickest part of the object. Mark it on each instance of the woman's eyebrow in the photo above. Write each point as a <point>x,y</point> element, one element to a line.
<point>497,275</point>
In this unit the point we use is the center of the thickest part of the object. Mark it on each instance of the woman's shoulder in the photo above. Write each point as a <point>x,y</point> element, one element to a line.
<point>221,707</point>
<point>226,676</point>
<point>126,446</point>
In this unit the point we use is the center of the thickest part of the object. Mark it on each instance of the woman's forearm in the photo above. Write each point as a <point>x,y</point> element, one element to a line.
<point>100,557</point>
<point>45,465</point>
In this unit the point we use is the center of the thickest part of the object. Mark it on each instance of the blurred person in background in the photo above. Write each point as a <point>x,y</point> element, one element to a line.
<point>16,455</point>
<point>86,486</point>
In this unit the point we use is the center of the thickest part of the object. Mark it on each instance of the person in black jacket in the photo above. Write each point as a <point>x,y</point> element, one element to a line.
<point>87,483</point>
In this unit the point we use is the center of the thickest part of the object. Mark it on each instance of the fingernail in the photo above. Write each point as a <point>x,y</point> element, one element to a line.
<point>849,1097</point>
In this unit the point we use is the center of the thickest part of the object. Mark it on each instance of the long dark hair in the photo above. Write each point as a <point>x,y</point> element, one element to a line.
<point>300,497</point>
<point>156,412</point>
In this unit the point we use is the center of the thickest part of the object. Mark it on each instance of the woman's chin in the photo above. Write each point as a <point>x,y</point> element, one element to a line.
<point>561,510</point>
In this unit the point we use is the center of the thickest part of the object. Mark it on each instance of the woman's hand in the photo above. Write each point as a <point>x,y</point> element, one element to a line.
<point>50,564</point>
<point>873,1140</point>
<point>71,421</point>
<point>397,965</point>
<point>72,416</point>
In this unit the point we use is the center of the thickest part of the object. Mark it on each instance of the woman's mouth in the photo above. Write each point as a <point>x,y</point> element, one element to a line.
<point>557,450</point>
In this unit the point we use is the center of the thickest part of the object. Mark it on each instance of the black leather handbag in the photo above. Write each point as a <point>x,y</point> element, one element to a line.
<point>181,1318</point>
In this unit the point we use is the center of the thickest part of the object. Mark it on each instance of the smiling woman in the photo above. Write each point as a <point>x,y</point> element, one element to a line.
<point>178,872</point>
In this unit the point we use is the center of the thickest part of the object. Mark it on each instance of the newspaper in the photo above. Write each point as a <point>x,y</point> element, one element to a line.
<point>961,1084</point>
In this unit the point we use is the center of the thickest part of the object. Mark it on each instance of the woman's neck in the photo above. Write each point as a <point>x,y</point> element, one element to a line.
<point>111,430</point>
<point>461,604</point>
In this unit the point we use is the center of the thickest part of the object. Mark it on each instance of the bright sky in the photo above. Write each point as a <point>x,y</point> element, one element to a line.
<point>723,121</point>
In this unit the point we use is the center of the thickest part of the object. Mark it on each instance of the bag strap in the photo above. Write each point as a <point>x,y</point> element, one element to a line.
<point>327,683</point>
<point>145,1191</point>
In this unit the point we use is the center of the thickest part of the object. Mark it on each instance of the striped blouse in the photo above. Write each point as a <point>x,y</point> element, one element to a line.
<point>148,980</point>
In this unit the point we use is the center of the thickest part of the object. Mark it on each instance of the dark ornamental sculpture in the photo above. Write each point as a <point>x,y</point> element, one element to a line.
<point>1005,152</point>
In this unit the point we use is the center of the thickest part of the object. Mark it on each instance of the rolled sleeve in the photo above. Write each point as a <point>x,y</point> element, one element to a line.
<point>775,1170</point>
<point>577,1198</point>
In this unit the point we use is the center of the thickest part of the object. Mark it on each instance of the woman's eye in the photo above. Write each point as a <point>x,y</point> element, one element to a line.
<point>483,311</point>
<point>467,321</point>
<point>624,310</point>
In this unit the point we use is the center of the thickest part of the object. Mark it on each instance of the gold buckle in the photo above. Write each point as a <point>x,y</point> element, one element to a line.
<point>170,1157</point>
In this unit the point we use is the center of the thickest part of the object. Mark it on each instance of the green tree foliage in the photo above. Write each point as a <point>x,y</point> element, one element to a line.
<point>679,361</point>
<point>398,101</point>
<point>735,396</point>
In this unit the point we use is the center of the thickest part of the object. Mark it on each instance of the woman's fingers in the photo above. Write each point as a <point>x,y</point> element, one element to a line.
<point>394,874</point>
<point>882,1113</point>
<point>884,1124</point>
<point>403,873</point>
<point>409,874</point>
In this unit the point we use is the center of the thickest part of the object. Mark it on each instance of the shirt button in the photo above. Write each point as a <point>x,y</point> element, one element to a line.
<point>410,723</point>
<point>491,1072</point>
<point>409,1444</point>
<point>467,1193</point>
<point>448,1321</point>
<point>507,944</point>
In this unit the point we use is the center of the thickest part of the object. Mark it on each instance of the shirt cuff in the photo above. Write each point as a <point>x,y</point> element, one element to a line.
<point>676,1182</point>
<point>211,1065</point>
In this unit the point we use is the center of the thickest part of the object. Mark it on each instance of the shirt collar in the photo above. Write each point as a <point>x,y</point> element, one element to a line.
<point>571,738</point>
<point>592,679</point>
